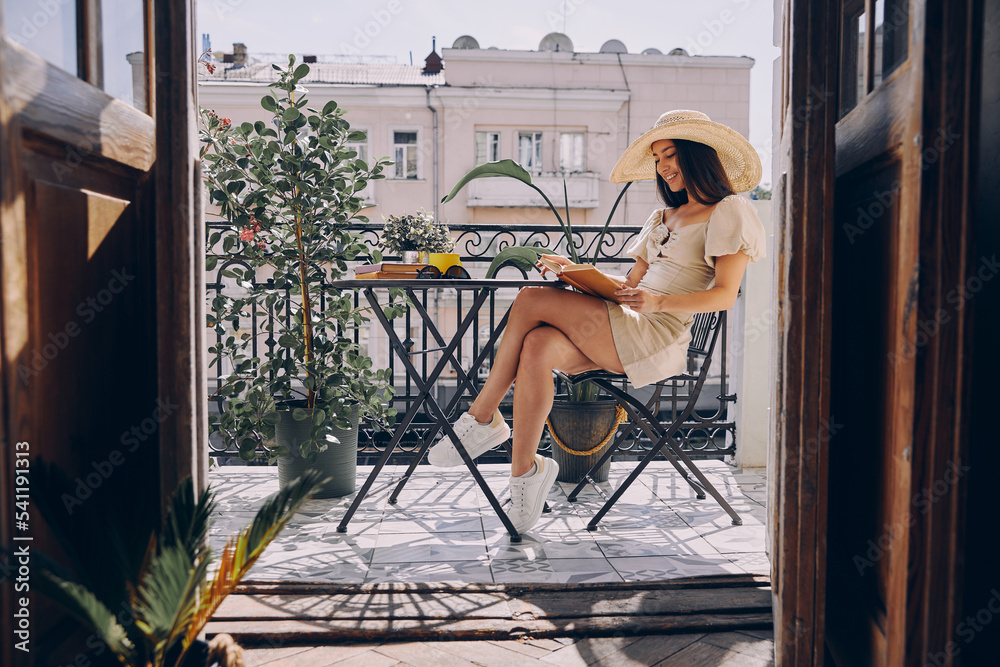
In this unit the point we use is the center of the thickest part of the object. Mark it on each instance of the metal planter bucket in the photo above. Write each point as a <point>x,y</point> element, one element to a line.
<point>580,427</point>
<point>339,461</point>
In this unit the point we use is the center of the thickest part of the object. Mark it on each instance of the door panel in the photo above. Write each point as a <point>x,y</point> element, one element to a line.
<point>79,322</point>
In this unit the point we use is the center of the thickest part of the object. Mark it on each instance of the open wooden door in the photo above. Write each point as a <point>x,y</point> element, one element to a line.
<point>101,241</point>
<point>878,142</point>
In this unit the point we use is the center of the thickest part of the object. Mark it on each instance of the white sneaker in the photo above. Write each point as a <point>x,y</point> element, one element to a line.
<point>477,439</point>
<point>527,494</point>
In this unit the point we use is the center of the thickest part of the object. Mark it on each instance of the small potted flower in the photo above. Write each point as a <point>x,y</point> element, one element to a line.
<point>414,236</point>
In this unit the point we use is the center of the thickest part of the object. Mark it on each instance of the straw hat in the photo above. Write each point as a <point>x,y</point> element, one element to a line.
<point>738,157</point>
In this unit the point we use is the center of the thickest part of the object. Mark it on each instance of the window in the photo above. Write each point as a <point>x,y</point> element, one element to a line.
<point>571,152</point>
<point>529,150</point>
<point>361,148</point>
<point>487,147</point>
<point>404,150</point>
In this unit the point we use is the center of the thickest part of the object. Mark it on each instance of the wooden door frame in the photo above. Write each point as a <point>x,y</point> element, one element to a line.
<point>938,430</point>
<point>801,426</point>
<point>180,246</point>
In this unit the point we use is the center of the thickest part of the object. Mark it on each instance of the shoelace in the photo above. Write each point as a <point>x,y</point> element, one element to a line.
<point>464,425</point>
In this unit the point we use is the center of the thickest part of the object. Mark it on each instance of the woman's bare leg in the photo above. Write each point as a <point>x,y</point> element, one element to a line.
<point>582,318</point>
<point>544,349</point>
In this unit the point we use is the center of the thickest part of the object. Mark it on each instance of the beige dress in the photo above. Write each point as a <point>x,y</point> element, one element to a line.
<point>653,346</point>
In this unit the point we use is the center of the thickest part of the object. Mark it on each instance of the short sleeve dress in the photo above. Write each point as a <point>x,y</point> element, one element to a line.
<point>653,346</point>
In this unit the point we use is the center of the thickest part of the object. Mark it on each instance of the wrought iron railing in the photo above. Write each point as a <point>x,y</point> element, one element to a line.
<point>707,433</point>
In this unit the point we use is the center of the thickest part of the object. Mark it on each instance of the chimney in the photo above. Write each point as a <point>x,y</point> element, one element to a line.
<point>308,59</point>
<point>239,54</point>
<point>433,63</point>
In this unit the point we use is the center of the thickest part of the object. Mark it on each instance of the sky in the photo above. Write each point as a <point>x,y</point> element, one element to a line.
<point>399,28</point>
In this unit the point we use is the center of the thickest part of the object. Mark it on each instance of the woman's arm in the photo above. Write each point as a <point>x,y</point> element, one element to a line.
<point>635,274</point>
<point>729,271</point>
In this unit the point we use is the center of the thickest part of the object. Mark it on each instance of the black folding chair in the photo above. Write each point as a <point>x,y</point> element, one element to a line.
<point>704,335</point>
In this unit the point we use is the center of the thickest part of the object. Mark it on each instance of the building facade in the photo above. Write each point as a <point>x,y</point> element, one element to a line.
<point>561,114</point>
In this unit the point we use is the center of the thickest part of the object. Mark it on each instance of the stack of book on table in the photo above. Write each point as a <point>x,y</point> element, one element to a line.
<point>390,270</point>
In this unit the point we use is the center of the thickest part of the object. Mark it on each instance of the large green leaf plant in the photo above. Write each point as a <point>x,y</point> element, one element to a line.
<point>288,189</point>
<point>526,257</point>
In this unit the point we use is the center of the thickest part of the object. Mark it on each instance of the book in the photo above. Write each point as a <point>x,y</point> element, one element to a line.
<point>585,277</point>
<point>386,275</point>
<point>388,267</point>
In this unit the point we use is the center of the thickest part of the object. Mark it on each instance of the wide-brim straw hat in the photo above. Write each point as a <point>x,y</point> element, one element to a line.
<point>738,157</point>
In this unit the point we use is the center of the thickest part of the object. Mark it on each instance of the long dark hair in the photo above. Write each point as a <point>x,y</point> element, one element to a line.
<point>705,179</point>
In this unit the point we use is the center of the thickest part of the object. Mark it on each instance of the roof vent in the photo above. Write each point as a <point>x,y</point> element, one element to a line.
<point>678,52</point>
<point>556,41</point>
<point>652,52</point>
<point>613,46</point>
<point>465,42</point>
<point>433,63</point>
<point>308,59</point>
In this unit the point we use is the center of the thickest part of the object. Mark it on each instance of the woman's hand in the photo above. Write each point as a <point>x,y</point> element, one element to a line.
<point>638,299</point>
<point>558,259</point>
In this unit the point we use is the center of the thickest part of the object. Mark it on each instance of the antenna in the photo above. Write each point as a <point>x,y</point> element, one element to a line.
<point>565,2</point>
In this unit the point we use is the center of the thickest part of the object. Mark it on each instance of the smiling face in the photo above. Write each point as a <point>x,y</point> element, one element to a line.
<point>665,155</point>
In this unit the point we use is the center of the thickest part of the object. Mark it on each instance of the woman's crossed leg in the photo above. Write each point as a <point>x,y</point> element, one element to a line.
<point>548,329</point>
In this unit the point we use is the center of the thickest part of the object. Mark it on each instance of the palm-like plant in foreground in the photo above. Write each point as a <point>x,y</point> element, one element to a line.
<point>172,599</point>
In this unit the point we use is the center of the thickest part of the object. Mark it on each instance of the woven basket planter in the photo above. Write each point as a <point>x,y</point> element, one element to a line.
<point>578,430</point>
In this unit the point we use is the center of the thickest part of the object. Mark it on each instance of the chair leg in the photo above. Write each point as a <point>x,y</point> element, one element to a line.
<point>708,486</point>
<point>592,526</point>
<point>588,479</point>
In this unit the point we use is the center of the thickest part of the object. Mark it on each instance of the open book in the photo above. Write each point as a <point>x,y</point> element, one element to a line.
<point>585,277</point>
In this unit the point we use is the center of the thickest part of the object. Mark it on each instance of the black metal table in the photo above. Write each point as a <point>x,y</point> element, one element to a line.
<point>443,417</point>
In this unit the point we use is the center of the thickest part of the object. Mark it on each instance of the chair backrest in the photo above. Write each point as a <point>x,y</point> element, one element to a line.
<point>704,331</point>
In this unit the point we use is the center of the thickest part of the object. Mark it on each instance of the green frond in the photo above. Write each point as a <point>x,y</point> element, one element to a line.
<point>507,168</point>
<point>90,611</point>
<point>187,519</point>
<point>166,596</point>
<point>242,552</point>
<point>521,257</point>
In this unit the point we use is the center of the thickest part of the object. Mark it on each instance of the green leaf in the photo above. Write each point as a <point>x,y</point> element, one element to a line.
<point>522,257</point>
<point>319,416</point>
<point>301,71</point>
<point>329,107</point>
<point>271,418</point>
<point>291,113</point>
<point>300,414</point>
<point>82,604</point>
<point>507,168</point>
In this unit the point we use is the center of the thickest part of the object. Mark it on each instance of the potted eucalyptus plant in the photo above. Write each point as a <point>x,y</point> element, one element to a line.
<point>580,421</point>
<point>288,191</point>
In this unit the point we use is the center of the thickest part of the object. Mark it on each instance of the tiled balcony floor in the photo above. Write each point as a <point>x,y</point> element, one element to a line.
<point>443,530</point>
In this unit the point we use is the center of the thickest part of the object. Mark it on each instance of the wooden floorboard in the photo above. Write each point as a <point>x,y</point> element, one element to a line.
<point>727,622</point>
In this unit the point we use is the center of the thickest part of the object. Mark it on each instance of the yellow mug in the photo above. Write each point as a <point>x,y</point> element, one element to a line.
<point>444,260</point>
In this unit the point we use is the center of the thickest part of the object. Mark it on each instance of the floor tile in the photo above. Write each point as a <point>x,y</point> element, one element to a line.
<point>545,546</point>
<point>657,568</point>
<point>732,539</point>
<point>466,572</point>
<point>422,548</point>
<point>558,570</point>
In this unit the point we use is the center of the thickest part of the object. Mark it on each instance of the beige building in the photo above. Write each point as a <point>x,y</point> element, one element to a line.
<point>561,114</point>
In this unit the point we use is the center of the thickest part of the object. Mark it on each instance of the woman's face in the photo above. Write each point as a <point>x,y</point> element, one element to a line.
<point>665,155</point>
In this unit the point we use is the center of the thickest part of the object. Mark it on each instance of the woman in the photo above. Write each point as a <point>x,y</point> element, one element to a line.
<point>689,258</point>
